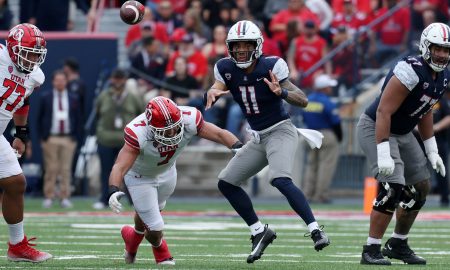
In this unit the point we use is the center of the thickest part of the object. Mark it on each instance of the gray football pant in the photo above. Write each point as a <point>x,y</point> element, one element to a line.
<point>410,161</point>
<point>276,148</point>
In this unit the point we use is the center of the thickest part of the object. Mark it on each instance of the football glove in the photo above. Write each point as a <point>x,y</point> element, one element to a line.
<point>386,164</point>
<point>433,156</point>
<point>114,196</point>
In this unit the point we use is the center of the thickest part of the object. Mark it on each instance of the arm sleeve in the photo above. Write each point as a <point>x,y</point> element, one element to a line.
<point>406,74</point>
<point>281,70</point>
<point>131,138</point>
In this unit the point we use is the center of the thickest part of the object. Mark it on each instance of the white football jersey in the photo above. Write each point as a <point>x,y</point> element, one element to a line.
<point>155,158</point>
<point>15,86</point>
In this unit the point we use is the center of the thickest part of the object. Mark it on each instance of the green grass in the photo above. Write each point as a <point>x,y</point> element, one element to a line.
<point>214,241</point>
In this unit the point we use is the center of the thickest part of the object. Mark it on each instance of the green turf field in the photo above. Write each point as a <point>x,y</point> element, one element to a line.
<point>208,235</point>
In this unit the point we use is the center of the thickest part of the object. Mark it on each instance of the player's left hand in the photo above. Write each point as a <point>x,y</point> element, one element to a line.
<point>274,85</point>
<point>114,203</point>
<point>436,163</point>
<point>212,95</point>
<point>19,146</point>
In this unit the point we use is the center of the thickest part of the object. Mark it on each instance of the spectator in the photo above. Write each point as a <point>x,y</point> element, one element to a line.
<point>324,12</point>
<point>197,63</point>
<point>115,107</point>
<point>296,11</point>
<point>75,84</point>
<point>390,37</point>
<point>148,27</point>
<point>193,25</point>
<point>212,10</point>
<point>350,17</point>
<point>181,86</point>
<point>150,62</point>
<point>59,118</point>
<point>166,16</point>
<point>6,15</point>
<point>217,48</point>
<point>362,5</point>
<point>344,67</point>
<point>426,12</point>
<point>322,114</point>
<point>304,52</point>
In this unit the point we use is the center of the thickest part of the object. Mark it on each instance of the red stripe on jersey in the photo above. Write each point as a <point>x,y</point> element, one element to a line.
<point>131,142</point>
<point>199,120</point>
<point>131,138</point>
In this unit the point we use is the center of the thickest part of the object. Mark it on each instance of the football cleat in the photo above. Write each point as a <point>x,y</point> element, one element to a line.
<point>399,249</point>
<point>162,254</point>
<point>260,242</point>
<point>24,252</point>
<point>320,238</point>
<point>132,241</point>
<point>372,255</point>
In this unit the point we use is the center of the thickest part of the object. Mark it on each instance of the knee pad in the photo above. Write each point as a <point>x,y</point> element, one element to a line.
<point>413,198</point>
<point>389,195</point>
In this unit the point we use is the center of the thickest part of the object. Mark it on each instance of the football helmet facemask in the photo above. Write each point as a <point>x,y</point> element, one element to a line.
<point>26,47</point>
<point>165,120</point>
<point>437,34</point>
<point>245,31</point>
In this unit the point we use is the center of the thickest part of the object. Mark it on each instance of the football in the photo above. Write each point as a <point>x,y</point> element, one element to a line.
<point>132,12</point>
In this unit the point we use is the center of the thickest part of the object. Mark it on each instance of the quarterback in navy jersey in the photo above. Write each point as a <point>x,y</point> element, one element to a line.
<point>384,131</point>
<point>259,84</point>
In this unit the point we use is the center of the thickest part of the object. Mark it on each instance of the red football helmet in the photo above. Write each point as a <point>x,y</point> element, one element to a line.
<point>165,120</point>
<point>26,47</point>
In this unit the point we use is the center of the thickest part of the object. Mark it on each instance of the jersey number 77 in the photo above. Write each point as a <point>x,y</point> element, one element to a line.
<point>12,87</point>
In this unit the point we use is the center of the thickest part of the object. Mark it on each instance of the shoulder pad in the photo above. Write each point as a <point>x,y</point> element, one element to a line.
<point>37,76</point>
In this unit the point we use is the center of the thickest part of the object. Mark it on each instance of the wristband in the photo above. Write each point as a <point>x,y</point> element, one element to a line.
<point>237,145</point>
<point>284,93</point>
<point>112,189</point>
<point>22,133</point>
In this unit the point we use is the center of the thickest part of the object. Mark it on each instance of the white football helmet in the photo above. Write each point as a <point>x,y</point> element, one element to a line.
<point>245,31</point>
<point>435,34</point>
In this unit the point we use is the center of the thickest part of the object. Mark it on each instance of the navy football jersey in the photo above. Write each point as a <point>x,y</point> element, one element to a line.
<point>260,105</point>
<point>415,74</point>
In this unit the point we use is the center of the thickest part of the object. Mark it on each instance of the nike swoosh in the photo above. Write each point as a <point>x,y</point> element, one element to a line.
<point>389,247</point>
<point>258,79</point>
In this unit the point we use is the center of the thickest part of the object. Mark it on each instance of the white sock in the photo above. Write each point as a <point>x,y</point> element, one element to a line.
<point>399,236</point>
<point>373,241</point>
<point>313,226</point>
<point>138,232</point>
<point>16,233</point>
<point>256,228</point>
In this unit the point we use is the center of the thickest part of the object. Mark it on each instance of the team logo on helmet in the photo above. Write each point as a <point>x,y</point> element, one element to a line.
<point>17,34</point>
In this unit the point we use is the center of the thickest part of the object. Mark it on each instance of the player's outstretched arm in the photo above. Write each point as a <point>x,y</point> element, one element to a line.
<point>213,133</point>
<point>217,90</point>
